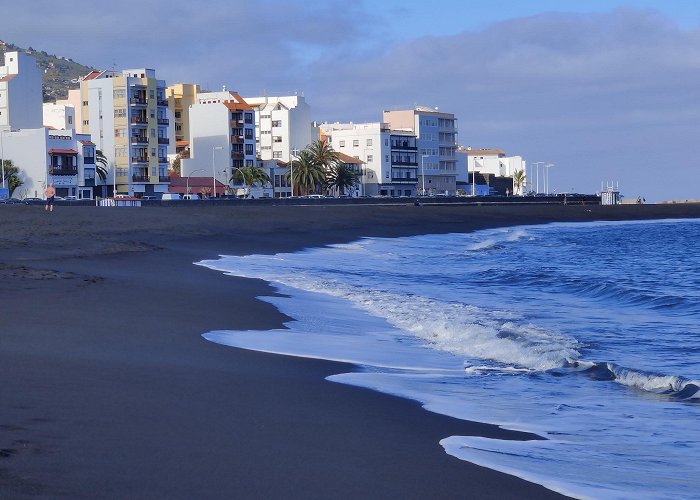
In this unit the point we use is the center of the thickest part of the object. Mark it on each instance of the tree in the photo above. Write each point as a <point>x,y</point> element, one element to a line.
<point>341,177</point>
<point>518,181</point>
<point>323,154</point>
<point>176,167</point>
<point>11,178</point>
<point>250,176</point>
<point>306,173</point>
<point>101,166</point>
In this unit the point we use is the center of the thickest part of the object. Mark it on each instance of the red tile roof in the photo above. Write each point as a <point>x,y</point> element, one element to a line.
<point>63,152</point>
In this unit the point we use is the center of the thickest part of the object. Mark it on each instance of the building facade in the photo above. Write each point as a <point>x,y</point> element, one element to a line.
<point>222,136</point>
<point>390,156</point>
<point>20,92</point>
<point>180,97</point>
<point>45,156</point>
<point>59,116</point>
<point>283,126</point>
<point>437,145</point>
<point>126,114</point>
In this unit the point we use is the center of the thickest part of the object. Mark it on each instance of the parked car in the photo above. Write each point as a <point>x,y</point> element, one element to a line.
<point>151,197</point>
<point>190,197</point>
<point>171,196</point>
<point>71,198</point>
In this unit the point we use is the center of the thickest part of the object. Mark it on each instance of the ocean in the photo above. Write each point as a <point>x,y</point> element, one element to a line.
<point>586,334</point>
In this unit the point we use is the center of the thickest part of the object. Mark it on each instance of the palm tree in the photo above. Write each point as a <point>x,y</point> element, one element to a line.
<point>323,154</point>
<point>518,180</point>
<point>250,175</point>
<point>101,166</point>
<point>341,177</point>
<point>308,173</point>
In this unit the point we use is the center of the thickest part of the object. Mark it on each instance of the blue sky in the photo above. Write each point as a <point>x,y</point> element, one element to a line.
<point>605,90</point>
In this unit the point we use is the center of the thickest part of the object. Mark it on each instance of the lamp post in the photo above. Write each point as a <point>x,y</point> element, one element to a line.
<point>546,176</point>
<point>422,170</point>
<point>292,153</point>
<point>213,167</point>
<point>187,189</point>
<point>537,175</point>
<point>2,157</point>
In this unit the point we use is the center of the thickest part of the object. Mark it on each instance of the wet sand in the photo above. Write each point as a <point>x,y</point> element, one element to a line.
<point>109,390</point>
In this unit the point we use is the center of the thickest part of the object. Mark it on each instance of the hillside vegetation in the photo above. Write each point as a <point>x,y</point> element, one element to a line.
<point>60,73</point>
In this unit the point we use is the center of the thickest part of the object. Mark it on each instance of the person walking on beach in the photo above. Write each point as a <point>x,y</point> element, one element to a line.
<point>50,193</point>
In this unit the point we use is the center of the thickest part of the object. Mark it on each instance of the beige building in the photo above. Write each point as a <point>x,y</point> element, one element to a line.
<point>437,145</point>
<point>180,97</point>
<point>126,114</point>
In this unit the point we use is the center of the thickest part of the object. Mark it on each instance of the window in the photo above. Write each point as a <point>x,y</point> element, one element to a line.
<point>86,122</point>
<point>153,132</point>
<point>386,158</point>
<point>356,143</point>
<point>277,154</point>
<point>276,123</point>
<point>85,103</point>
<point>249,149</point>
<point>277,138</point>
<point>341,144</point>
<point>369,142</point>
<point>370,158</point>
<point>120,132</point>
<point>153,151</point>
<point>152,94</point>
<point>119,93</point>
<point>119,112</point>
<point>70,120</point>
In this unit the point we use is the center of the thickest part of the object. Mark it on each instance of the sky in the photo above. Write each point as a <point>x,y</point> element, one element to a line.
<point>608,91</point>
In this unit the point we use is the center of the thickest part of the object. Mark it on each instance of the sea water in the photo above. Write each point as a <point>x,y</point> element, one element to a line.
<point>586,334</point>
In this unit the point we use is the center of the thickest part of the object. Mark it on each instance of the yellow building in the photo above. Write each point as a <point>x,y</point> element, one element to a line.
<point>126,115</point>
<point>180,97</point>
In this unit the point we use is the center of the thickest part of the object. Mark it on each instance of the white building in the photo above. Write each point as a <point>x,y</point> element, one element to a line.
<point>437,144</point>
<point>283,126</point>
<point>390,156</point>
<point>62,157</point>
<point>222,136</point>
<point>126,114</point>
<point>59,116</point>
<point>20,92</point>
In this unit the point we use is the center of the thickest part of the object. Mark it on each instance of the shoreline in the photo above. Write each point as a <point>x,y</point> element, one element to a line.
<point>112,391</point>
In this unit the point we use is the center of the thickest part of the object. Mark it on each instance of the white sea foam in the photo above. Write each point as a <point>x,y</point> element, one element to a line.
<point>412,315</point>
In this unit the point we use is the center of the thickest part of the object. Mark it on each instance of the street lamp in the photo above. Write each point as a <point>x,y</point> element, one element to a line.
<point>294,153</point>
<point>546,176</point>
<point>187,190</point>
<point>213,167</point>
<point>422,170</point>
<point>2,157</point>
<point>537,175</point>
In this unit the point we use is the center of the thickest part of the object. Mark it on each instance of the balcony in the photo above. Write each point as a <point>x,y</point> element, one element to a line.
<point>237,155</point>
<point>162,159</point>
<point>139,159</point>
<point>135,120</point>
<point>89,183</point>
<point>163,178</point>
<point>404,180</point>
<point>163,121</point>
<point>137,101</point>
<point>139,140</point>
<point>405,163</point>
<point>140,178</point>
<point>404,145</point>
<point>88,160</point>
<point>162,102</point>
<point>163,140</point>
<point>63,171</point>
<point>236,139</point>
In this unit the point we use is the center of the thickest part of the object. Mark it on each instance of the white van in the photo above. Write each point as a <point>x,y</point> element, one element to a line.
<point>171,196</point>
<point>190,197</point>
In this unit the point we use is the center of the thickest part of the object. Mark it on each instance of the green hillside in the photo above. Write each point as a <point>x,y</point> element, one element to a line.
<point>60,73</point>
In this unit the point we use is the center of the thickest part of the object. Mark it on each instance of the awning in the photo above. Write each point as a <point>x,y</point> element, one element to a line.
<point>63,152</point>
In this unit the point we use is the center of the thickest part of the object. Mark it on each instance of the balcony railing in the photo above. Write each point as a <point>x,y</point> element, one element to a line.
<point>404,180</point>
<point>139,140</point>
<point>163,140</point>
<point>139,119</point>
<point>162,102</point>
<point>163,178</point>
<point>138,101</point>
<point>237,155</point>
<point>139,159</point>
<point>88,160</point>
<point>405,163</point>
<point>163,121</point>
<point>63,171</point>
<point>162,159</point>
<point>236,139</point>
<point>403,145</point>
<point>140,178</point>
<point>89,182</point>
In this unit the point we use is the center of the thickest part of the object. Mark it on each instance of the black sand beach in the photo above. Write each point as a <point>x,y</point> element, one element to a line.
<point>109,390</point>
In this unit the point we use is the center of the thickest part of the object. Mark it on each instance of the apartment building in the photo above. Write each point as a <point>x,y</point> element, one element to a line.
<point>126,114</point>
<point>222,136</point>
<point>44,156</point>
<point>390,156</point>
<point>437,144</point>
<point>59,116</point>
<point>20,92</point>
<point>283,126</point>
<point>180,97</point>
